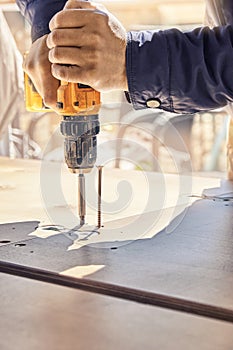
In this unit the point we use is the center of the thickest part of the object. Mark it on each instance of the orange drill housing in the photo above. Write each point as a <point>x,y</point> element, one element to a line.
<point>75,99</point>
<point>33,100</point>
<point>72,99</point>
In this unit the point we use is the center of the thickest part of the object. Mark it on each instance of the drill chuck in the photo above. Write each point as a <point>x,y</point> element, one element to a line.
<point>80,143</point>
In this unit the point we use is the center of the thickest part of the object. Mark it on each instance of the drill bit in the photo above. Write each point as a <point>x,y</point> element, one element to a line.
<point>81,198</point>
<point>100,167</point>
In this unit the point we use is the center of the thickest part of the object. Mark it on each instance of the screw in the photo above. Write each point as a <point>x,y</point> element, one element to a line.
<point>99,167</point>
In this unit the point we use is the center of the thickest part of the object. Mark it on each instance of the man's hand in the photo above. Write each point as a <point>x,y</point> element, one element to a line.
<point>87,45</point>
<point>38,67</point>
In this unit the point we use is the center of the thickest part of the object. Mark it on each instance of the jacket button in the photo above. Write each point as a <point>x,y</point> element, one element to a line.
<point>153,103</point>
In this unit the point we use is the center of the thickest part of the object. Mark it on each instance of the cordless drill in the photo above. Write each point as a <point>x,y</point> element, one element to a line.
<point>78,105</point>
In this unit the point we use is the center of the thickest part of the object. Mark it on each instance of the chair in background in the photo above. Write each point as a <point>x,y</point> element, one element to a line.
<point>166,129</point>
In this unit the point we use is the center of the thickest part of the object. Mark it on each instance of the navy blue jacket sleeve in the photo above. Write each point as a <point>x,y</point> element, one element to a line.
<point>38,13</point>
<point>183,72</point>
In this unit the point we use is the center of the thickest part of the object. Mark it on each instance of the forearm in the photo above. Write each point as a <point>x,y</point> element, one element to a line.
<point>38,13</point>
<point>185,72</point>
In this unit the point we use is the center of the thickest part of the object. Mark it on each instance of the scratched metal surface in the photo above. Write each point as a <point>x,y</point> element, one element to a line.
<point>193,262</point>
<point>14,232</point>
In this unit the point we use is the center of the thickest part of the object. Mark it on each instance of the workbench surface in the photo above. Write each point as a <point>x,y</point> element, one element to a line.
<point>182,270</point>
<point>36,315</point>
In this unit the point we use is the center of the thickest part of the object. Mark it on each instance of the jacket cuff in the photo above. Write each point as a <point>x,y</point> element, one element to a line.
<point>147,65</point>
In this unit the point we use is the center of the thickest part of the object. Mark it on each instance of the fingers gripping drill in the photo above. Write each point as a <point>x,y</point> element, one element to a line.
<point>79,106</point>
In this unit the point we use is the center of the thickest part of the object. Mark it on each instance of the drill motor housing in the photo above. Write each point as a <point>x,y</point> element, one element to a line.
<point>79,106</point>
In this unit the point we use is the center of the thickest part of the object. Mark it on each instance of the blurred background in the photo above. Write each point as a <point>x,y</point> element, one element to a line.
<point>149,140</point>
